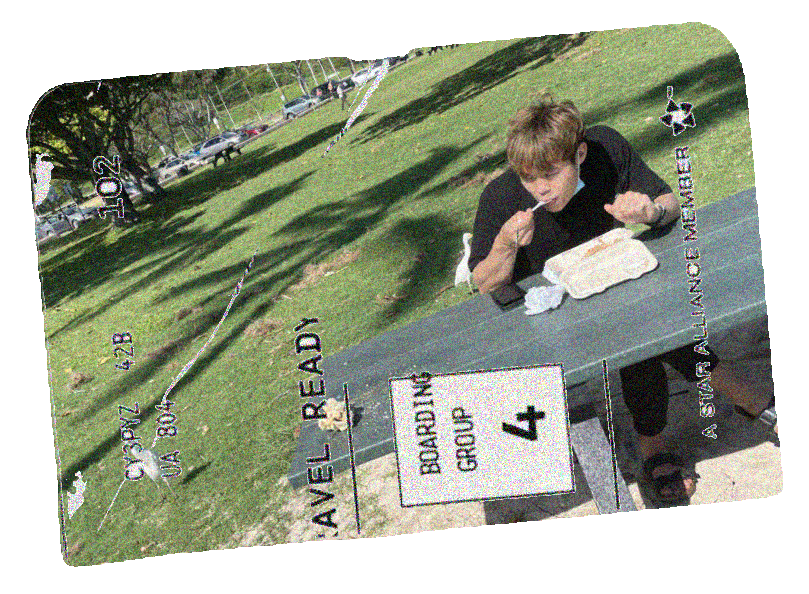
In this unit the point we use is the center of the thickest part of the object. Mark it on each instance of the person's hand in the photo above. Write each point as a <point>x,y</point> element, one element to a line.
<point>518,230</point>
<point>633,207</point>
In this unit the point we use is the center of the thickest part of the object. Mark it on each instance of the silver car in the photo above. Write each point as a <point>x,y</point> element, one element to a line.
<point>76,215</point>
<point>216,145</point>
<point>298,106</point>
<point>363,76</point>
<point>177,167</point>
<point>235,137</point>
<point>51,226</point>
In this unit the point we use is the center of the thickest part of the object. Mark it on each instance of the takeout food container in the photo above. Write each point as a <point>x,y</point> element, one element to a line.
<point>602,262</point>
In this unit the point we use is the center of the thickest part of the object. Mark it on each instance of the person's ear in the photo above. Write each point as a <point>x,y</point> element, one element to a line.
<point>581,153</point>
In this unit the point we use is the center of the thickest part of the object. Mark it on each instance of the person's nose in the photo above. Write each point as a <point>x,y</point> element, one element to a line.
<point>541,186</point>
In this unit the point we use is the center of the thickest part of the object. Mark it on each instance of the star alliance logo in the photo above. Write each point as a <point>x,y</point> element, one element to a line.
<point>678,115</point>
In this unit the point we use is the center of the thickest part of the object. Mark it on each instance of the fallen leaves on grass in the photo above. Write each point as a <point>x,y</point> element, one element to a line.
<point>459,181</point>
<point>74,548</point>
<point>314,272</point>
<point>77,379</point>
<point>202,326</point>
<point>388,299</point>
<point>587,54</point>
<point>262,327</point>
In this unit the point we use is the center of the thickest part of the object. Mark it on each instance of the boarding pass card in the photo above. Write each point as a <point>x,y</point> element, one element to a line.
<point>260,330</point>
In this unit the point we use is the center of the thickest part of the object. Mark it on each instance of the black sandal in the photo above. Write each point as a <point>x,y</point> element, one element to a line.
<point>767,417</point>
<point>674,479</point>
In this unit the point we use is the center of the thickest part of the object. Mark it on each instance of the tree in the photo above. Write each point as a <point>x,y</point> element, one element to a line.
<point>75,123</point>
<point>295,69</point>
<point>178,110</point>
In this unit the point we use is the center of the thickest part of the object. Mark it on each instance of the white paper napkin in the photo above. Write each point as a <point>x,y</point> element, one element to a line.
<point>539,299</point>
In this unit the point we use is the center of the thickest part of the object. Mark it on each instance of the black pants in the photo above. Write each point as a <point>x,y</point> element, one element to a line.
<point>646,386</point>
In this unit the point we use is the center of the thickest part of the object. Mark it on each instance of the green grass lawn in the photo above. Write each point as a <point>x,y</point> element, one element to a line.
<point>390,195</point>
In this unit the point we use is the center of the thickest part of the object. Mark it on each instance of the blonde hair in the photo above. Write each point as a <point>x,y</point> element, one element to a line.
<point>542,134</point>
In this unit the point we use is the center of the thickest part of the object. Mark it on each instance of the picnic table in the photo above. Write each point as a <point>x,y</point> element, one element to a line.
<point>625,324</point>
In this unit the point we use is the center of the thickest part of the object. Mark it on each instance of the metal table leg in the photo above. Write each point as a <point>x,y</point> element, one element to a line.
<point>597,460</point>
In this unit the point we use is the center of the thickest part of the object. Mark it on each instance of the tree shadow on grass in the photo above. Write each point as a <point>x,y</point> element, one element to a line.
<point>479,173</point>
<point>720,81</point>
<point>252,295</point>
<point>92,267</point>
<point>432,243</point>
<point>89,262</point>
<point>711,75</point>
<point>177,249</point>
<point>199,188</point>
<point>319,139</point>
<point>88,235</point>
<point>478,78</point>
<point>218,237</point>
<point>139,375</point>
<point>328,228</point>
<point>339,223</point>
<point>726,104</point>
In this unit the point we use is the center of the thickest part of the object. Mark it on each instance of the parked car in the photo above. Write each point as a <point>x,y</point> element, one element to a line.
<point>193,161</point>
<point>176,167</point>
<point>193,153</point>
<point>394,60</point>
<point>149,184</point>
<point>76,215</point>
<point>131,189</point>
<point>216,145</point>
<point>164,161</point>
<point>51,226</point>
<point>297,106</point>
<point>362,76</point>
<point>324,89</point>
<point>253,129</point>
<point>236,135</point>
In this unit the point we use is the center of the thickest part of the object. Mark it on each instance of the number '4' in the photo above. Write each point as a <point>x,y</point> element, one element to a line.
<point>530,415</point>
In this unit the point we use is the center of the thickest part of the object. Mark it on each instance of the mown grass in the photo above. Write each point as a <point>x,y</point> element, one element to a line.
<point>389,193</point>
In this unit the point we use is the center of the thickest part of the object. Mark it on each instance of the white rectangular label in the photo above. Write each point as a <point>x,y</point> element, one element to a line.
<point>481,435</point>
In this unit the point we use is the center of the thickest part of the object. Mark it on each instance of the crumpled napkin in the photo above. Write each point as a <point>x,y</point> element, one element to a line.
<point>539,299</point>
<point>336,417</point>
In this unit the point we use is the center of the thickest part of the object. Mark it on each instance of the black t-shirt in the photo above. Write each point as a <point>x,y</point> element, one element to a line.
<point>611,167</point>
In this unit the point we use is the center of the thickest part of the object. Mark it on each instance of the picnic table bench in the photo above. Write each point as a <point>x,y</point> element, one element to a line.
<point>625,324</point>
